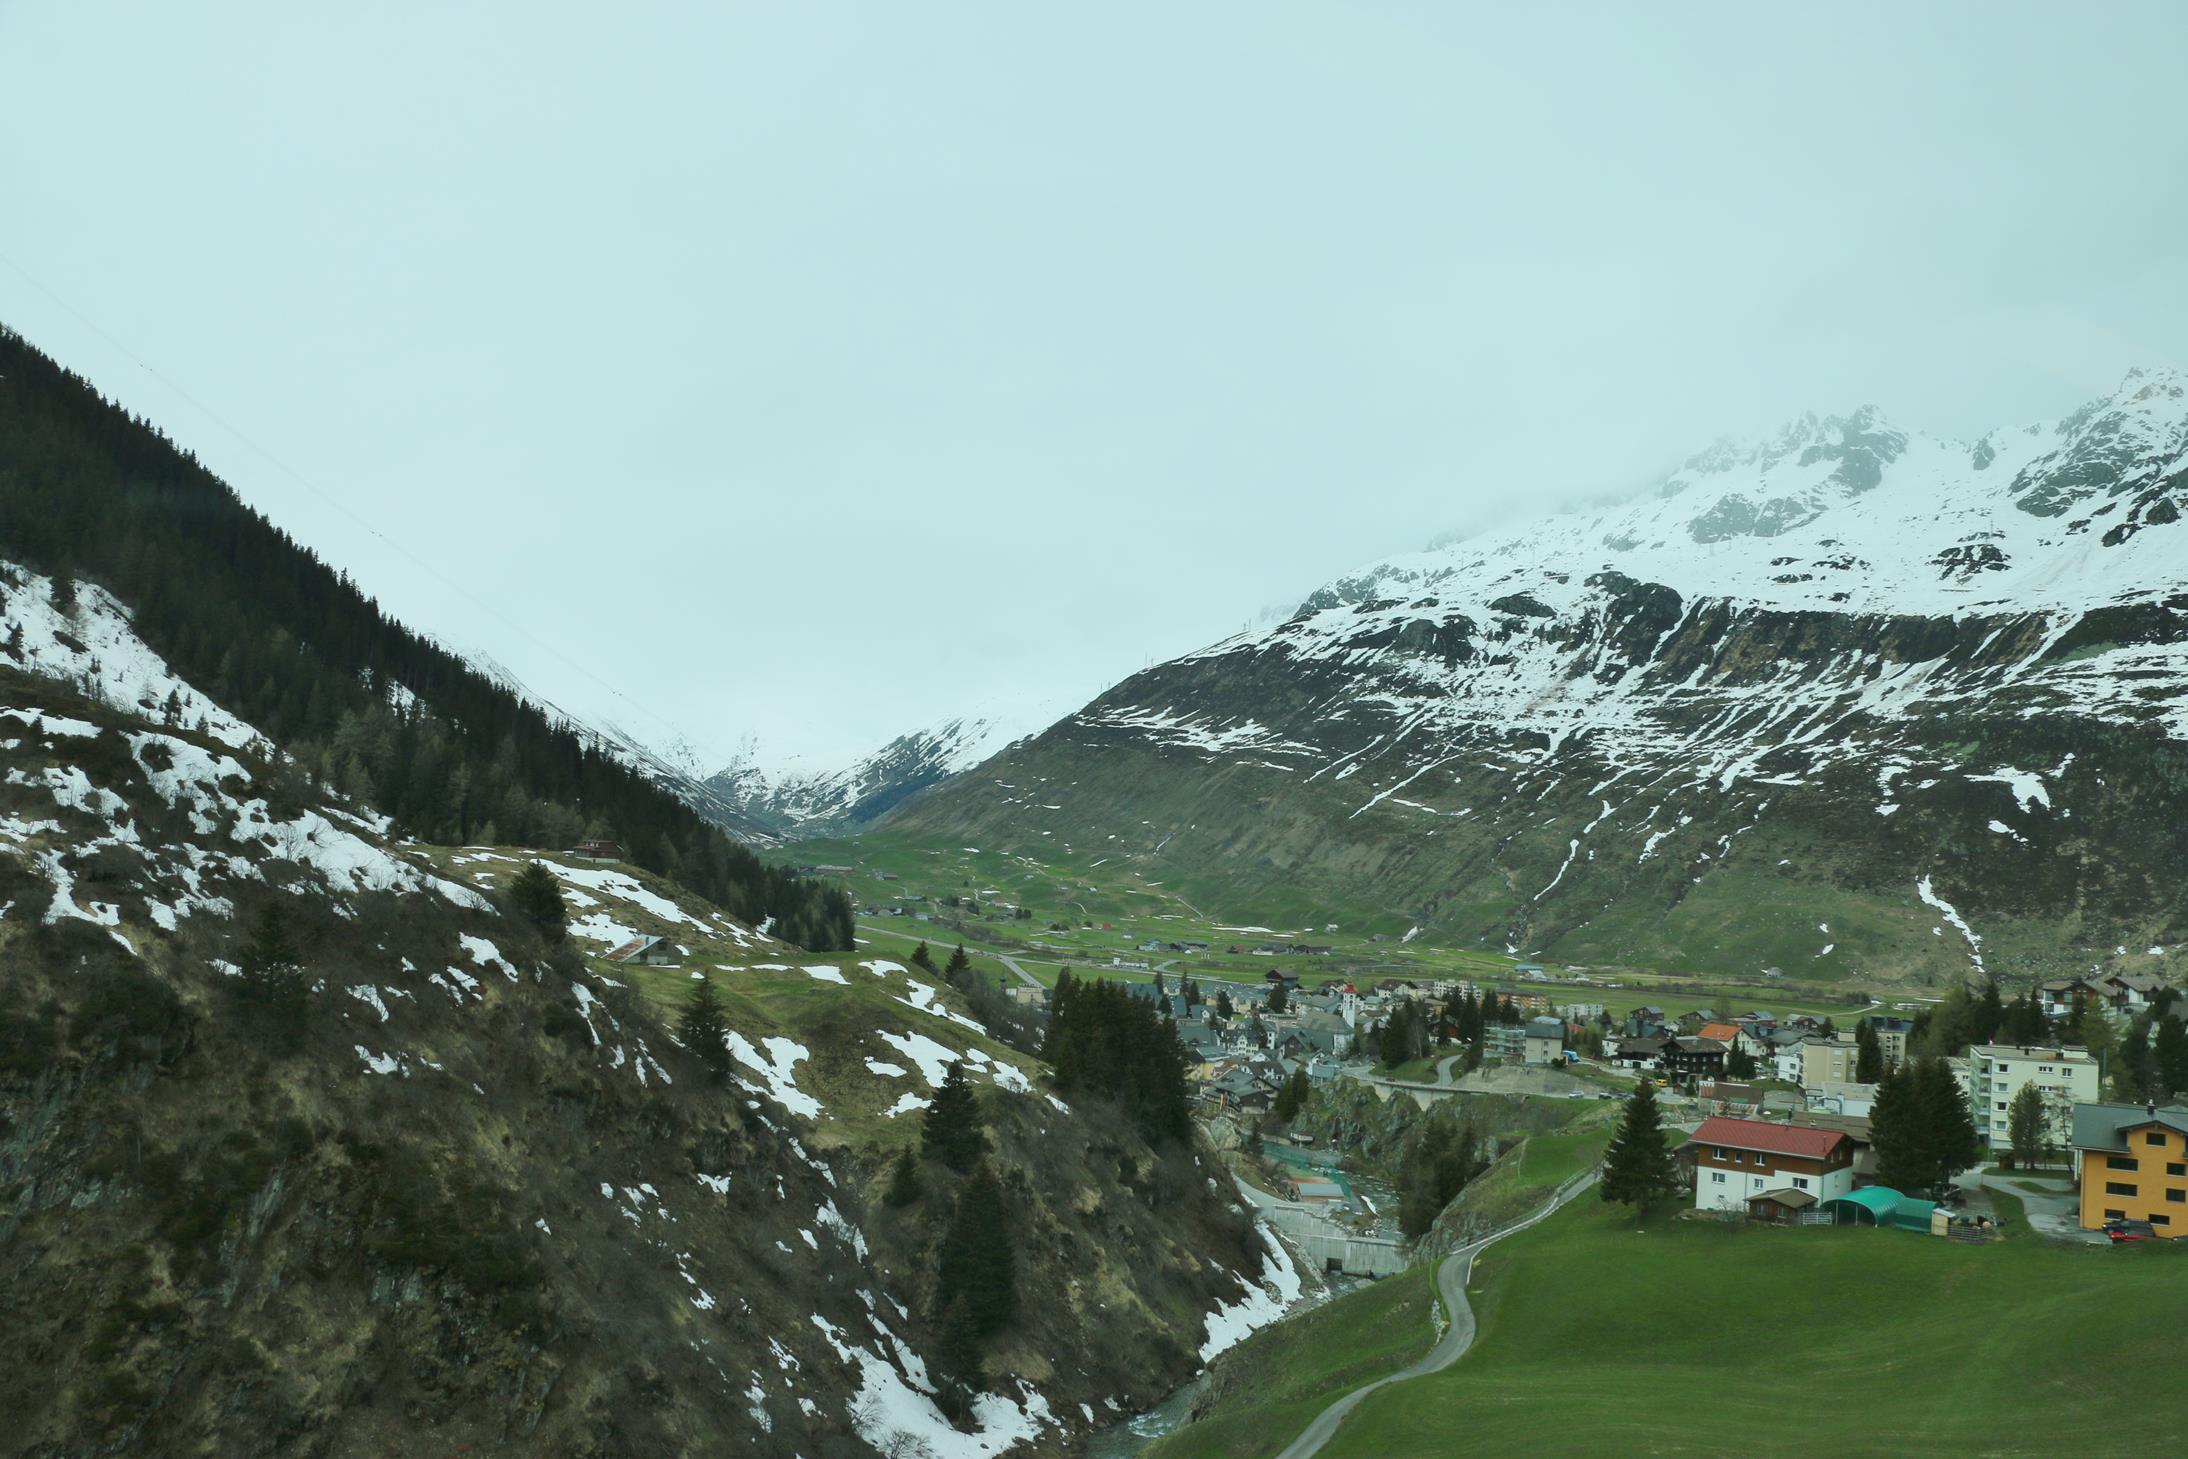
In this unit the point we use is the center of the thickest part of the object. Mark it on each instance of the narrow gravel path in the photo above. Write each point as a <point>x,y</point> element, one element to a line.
<point>1451,1282</point>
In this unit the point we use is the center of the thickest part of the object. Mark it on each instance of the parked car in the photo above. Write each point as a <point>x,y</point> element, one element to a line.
<point>2119,1231</point>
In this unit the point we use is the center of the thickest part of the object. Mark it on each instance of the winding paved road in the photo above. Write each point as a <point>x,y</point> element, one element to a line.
<point>1451,1282</point>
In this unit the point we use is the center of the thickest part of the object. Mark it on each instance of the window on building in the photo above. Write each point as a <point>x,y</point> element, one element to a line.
<point>2177,1197</point>
<point>1716,1177</point>
<point>2159,1218</point>
<point>2176,1168</point>
<point>2122,1162</point>
<point>1720,1152</point>
<point>2111,1215</point>
<point>2119,1187</point>
<point>2153,1138</point>
<point>1800,1182</point>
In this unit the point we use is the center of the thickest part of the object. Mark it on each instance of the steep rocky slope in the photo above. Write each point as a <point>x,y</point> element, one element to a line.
<point>476,1197</point>
<point>1848,701</point>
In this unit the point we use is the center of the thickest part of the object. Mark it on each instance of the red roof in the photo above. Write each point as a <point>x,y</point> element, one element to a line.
<point>1767,1135</point>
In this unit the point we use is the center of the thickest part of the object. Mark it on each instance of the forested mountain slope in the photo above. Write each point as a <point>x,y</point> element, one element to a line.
<point>295,649</point>
<point>315,1139</point>
<point>1847,701</point>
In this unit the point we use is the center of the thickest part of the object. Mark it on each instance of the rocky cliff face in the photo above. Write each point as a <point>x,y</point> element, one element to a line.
<point>1850,701</point>
<point>473,1195</point>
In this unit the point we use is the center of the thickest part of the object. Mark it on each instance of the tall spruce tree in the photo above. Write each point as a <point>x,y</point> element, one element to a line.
<point>959,965</point>
<point>976,1273</point>
<point>703,1029</point>
<point>271,981</point>
<point>2169,1053</point>
<point>1868,1054</point>
<point>951,1129</point>
<point>1895,1129</point>
<point>904,1185</point>
<point>1951,1142</point>
<point>1639,1169</point>
<point>535,894</point>
<point>1440,1160</point>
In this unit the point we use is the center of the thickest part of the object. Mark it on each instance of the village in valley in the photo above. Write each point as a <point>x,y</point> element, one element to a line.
<point>1771,1118</point>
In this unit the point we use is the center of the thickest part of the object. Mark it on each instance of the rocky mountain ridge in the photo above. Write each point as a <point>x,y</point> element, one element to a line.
<point>1934,688</point>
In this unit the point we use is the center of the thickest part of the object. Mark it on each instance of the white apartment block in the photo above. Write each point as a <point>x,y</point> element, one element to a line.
<point>1996,1073</point>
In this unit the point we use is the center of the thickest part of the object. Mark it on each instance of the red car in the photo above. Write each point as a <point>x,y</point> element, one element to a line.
<point>2118,1231</point>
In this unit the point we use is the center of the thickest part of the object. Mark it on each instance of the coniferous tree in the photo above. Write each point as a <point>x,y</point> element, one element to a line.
<point>1639,1169</point>
<point>1277,998</point>
<point>1921,1127</point>
<point>1868,1054</point>
<point>959,965</point>
<point>271,978</point>
<point>904,1186</point>
<point>1224,1010</point>
<point>950,1131</point>
<point>1440,1160</point>
<point>924,960</point>
<point>976,1266</point>
<point>959,1360</point>
<point>1739,1063</point>
<point>2135,1068</point>
<point>1895,1129</point>
<point>703,1029</point>
<point>1986,1015</point>
<point>2025,1022</point>
<point>2169,1053</point>
<point>1952,1143</point>
<point>1112,1044</point>
<point>535,894</point>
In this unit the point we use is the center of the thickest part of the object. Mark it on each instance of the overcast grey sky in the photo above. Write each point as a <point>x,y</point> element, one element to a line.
<point>814,371</point>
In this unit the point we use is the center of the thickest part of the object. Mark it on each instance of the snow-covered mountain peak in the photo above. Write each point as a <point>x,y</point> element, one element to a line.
<point>794,801</point>
<point>1844,513</point>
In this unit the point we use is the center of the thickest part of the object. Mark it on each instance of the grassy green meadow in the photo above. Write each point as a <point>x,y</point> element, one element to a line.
<point>1687,1338</point>
<point>1075,888</point>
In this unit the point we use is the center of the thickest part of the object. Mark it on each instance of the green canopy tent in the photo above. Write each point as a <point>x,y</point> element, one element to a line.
<point>1880,1205</point>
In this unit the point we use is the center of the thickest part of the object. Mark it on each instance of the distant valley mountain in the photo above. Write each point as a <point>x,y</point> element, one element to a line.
<point>1848,701</point>
<point>792,804</point>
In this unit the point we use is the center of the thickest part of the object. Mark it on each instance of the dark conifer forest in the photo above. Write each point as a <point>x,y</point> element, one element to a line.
<point>261,624</point>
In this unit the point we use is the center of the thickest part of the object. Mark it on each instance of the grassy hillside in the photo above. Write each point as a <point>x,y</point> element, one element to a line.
<point>1810,1342</point>
<point>1282,1377</point>
<point>1131,899</point>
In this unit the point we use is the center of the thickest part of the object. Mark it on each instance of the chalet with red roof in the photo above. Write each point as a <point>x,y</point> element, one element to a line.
<point>1768,1170</point>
